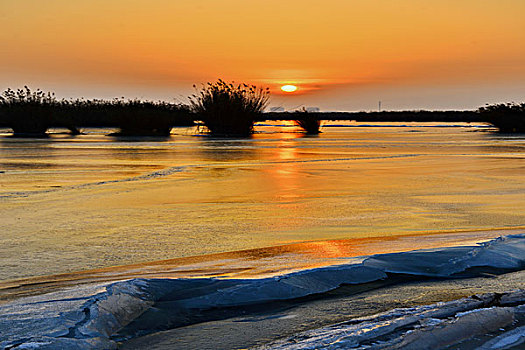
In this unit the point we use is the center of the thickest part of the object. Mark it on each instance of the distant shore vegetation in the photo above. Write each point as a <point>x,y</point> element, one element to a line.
<point>507,117</point>
<point>32,113</point>
<point>221,108</point>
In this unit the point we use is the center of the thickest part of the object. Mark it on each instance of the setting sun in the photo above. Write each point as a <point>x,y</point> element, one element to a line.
<point>289,88</point>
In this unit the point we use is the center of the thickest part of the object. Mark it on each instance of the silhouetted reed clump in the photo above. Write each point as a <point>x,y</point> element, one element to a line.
<point>32,113</point>
<point>507,117</point>
<point>308,121</point>
<point>27,112</point>
<point>228,109</point>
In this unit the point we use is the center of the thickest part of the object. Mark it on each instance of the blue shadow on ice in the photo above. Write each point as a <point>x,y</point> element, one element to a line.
<point>96,316</point>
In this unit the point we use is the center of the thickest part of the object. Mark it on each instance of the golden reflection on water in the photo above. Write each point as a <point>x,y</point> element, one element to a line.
<point>78,203</point>
<point>285,174</point>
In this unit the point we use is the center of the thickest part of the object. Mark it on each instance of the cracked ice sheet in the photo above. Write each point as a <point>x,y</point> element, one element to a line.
<point>507,340</point>
<point>411,328</point>
<point>50,314</point>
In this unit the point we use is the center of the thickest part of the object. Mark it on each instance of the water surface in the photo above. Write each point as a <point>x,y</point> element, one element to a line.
<point>91,201</point>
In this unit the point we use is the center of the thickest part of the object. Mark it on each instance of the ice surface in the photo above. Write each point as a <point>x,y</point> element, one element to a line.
<point>504,253</point>
<point>70,203</point>
<point>86,317</point>
<point>423,327</point>
<point>506,340</point>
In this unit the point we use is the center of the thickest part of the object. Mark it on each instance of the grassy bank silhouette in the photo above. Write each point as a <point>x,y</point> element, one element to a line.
<point>225,109</point>
<point>32,113</point>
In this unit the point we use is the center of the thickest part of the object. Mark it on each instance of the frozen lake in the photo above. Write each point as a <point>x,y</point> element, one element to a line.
<point>76,203</point>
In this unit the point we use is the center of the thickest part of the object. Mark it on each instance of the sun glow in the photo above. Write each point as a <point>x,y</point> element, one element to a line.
<point>289,88</point>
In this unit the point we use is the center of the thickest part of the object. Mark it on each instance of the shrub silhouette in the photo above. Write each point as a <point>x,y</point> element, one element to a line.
<point>228,109</point>
<point>308,121</point>
<point>507,117</point>
<point>27,112</point>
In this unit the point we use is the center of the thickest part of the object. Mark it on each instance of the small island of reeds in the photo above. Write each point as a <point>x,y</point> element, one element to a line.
<point>310,122</point>
<point>229,109</point>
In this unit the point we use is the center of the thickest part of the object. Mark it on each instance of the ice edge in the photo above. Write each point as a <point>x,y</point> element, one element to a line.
<point>85,318</point>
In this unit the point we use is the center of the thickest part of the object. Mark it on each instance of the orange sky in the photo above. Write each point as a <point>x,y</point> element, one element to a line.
<point>343,54</point>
